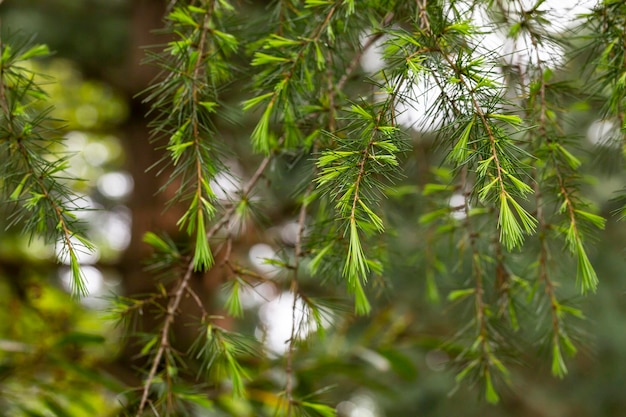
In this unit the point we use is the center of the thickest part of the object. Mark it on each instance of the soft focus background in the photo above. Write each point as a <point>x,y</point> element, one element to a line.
<point>51,343</point>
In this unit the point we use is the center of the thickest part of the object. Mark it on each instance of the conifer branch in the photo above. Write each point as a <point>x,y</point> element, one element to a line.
<point>348,175</point>
<point>354,62</point>
<point>183,286</point>
<point>201,261</point>
<point>482,149</point>
<point>186,98</point>
<point>288,67</point>
<point>164,345</point>
<point>544,226</point>
<point>487,363</point>
<point>557,167</point>
<point>510,230</point>
<point>606,22</point>
<point>39,178</point>
<point>295,324</point>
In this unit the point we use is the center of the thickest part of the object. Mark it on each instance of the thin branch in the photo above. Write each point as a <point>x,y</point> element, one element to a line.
<point>477,270</point>
<point>39,175</point>
<point>182,288</point>
<point>164,342</point>
<point>422,12</point>
<point>226,217</point>
<point>199,303</point>
<point>357,57</point>
<point>294,290</point>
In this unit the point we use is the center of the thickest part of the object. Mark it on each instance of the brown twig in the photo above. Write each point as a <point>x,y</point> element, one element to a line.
<point>183,285</point>
<point>164,342</point>
<point>357,57</point>
<point>294,290</point>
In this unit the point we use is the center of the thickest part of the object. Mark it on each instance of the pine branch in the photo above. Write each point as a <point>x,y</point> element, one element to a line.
<point>348,175</point>
<point>486,364</point>
<point>164,345</point>
<point>511,232</point>
<point>42,180</point>
<point>187,97</point>
<point>183,285</point>
<point>284,70</point>
<point>557,166</point>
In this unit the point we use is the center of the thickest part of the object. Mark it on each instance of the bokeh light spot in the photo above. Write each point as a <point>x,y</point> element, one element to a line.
<point>115,185</point>
<point>96,153</point>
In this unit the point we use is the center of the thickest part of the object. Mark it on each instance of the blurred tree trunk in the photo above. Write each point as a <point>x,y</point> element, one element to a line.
<point>145,203</point>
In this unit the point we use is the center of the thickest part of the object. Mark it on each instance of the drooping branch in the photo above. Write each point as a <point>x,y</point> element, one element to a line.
<point>183,285</point>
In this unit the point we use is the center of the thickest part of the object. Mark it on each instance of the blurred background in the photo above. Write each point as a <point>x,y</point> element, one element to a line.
<point>388,365</point>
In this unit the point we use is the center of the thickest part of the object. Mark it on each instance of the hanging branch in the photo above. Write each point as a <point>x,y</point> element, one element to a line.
<point>295,324</point>
<point>350,177</point>
<point>558,167</point>
<point>38,183</point>
<point>487,161</point>
<point>282,70</point>
<point>607,68</point>
<point>482,145</point>
<point>333,91</point>
<point>185,101</point>
<point>183,285</point>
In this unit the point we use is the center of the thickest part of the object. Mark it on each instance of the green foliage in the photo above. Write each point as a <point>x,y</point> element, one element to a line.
<point>47,357</point>
<point>487,200</point>
<point>33,177</point>
<point>195,64</point>
<point>350,176</point>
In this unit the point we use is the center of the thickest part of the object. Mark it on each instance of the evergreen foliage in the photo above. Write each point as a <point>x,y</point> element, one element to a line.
<point>34,174</point>
<point>503,209</point>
